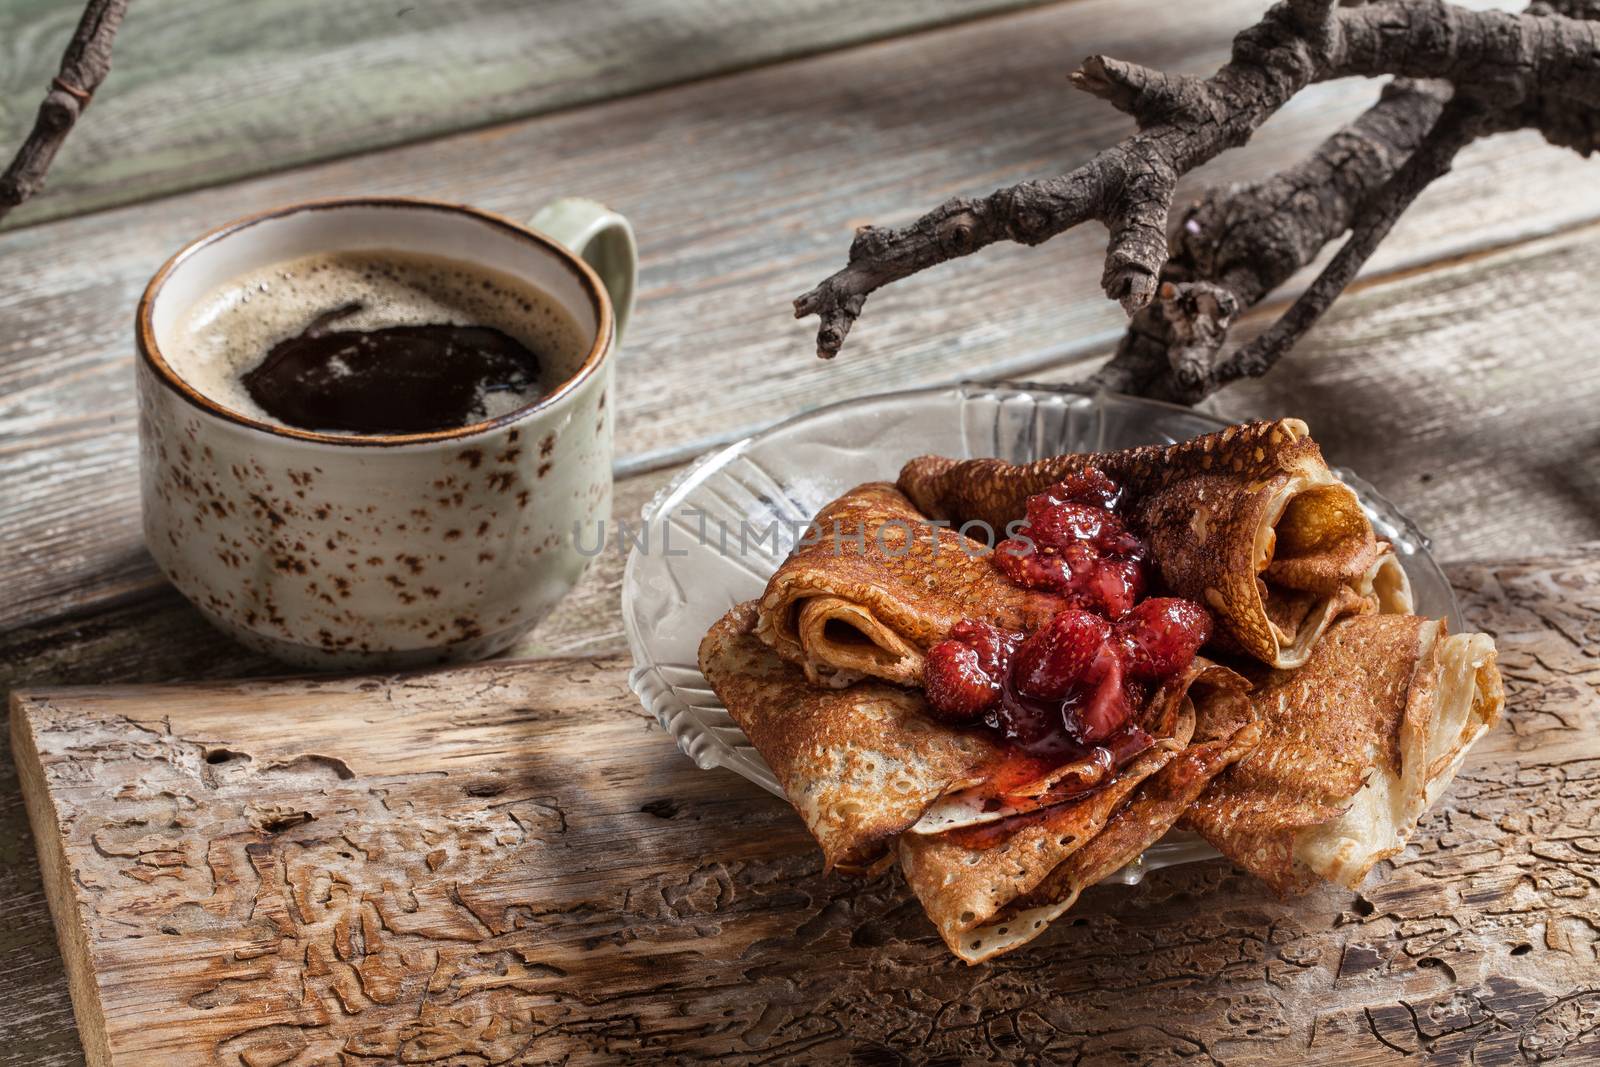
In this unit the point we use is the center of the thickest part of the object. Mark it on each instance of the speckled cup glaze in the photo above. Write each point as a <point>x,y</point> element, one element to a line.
<point>379,552</point>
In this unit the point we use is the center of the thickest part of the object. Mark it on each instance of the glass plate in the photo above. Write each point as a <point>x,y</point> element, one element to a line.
<point>713,537</point>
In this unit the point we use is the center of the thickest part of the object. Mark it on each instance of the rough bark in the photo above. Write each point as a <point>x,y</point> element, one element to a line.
<point>84,66</point>
<point>1235,244</point>
<point>507,864</point>
<point>1461,75</point>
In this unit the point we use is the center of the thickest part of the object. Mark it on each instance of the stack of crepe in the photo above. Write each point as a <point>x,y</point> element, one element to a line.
<point>1305,741</point>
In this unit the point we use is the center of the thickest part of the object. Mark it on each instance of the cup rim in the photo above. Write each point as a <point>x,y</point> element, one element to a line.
<point>589,281</point>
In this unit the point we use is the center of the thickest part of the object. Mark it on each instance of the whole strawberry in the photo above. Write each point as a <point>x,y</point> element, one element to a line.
<point>1160,636</point>
<point>961,675</point>
<point>1053,658</point>
<point>955,684</point>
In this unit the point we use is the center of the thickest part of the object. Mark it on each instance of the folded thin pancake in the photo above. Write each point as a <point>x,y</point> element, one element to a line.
<point>875,586</point>
<point>1155,807</point>
<point>860,764</point>
<point>1249,521</point>
<point>993,888</point>
<point>1023,785</point>
<point>1356,745</point>
<point>863,764</point>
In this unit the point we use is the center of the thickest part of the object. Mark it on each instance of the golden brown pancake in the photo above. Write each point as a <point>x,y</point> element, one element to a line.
<point>860,764</point>
<point>877,586</point>
<point>993,888</point>
<point>1248,521</point>
<point>1356,744</point>
<point>1358,721</point>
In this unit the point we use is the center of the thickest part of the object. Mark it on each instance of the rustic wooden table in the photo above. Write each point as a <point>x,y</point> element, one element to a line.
<point>1459,376</point>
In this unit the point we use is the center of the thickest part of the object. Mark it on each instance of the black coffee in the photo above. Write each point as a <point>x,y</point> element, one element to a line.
<point>390,380</point>
<point>376,342</point>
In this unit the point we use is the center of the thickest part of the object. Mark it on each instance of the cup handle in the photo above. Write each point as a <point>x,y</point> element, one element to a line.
<point>601,238</point>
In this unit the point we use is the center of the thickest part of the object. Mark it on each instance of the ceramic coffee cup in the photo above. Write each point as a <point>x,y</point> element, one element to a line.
<point>383,551</point>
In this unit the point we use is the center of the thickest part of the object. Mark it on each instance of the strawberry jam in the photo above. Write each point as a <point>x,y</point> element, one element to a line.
<point>1076,543</point>
<point>1075,687</point>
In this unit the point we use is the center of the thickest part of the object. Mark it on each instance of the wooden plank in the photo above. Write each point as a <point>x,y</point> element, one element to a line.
<point>89,318</point>
<point>154,635</point>
<point>791,157</point>
<point>202,94</point>
<point>505,861</point>
<point>36,1024</point>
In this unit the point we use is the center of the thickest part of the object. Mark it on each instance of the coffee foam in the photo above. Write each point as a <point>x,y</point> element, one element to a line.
<point>231,329</point>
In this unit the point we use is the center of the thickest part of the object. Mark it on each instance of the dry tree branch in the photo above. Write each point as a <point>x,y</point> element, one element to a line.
<point>84,66</point>
<point>1461,74</point>
<point>1456,128</point>
<point>1236,244</point>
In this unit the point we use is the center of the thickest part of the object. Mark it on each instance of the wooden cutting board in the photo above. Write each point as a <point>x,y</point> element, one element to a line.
<point>510,864</point>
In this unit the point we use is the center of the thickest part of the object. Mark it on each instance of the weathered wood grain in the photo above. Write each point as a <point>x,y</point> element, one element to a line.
<point>155,636</point>
<point>507,863</point>
<point>1473,381</point>
<point>792,158</point>
<point>205,93</point>
<point>36,1024</point>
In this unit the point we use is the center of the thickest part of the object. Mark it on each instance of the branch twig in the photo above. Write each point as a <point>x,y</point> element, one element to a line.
<point>1236,244</point>
<point>84,66</point>
<point>1539,70</point>
<point>1457,127</point>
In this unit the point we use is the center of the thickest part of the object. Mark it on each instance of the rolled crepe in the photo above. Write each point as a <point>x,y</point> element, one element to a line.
<point>876,586</point>
<point>864,764</point>
<point>1356,745</point>
<point>992,888</point>
<point>1248,521</point>
<point>859,764</point>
